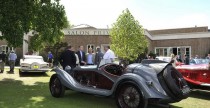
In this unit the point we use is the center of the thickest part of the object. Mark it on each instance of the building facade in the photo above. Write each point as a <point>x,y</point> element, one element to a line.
<point>190,41</point>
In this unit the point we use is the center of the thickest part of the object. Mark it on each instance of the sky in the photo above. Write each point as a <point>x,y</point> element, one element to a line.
<point>151,14</point>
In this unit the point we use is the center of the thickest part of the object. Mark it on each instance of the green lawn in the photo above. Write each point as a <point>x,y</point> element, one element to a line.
<point>32,91</point>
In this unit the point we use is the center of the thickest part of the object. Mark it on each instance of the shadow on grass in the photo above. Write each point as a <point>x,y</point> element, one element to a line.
<point>200,94</point>
<point>33,74</point>
<point>14,94</point>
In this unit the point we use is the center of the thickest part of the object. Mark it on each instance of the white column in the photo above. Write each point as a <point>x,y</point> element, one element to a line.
<point>25,44</point>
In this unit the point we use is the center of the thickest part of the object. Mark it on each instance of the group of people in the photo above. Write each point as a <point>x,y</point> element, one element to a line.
<point>177,59</point>
<point>73,58</point>
<point>186,59</point>
<point>11,58</point>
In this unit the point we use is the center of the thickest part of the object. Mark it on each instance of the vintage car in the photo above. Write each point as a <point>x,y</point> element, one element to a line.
<point>33,63</point>
<point>199,61</point>
<point>166,59</point>
<point>197,73</point>
<point>152,81</point>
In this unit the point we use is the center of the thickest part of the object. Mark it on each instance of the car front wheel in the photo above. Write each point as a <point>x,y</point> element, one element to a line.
<point>129,96</point>
<point>56,87</point>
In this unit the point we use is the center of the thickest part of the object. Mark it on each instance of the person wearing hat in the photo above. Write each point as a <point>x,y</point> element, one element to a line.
<point>12,58</point>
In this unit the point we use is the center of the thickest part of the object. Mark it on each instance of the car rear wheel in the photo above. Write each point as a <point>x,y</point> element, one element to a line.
<point>176,83</point>
<point>56,87</point>
<point>129,96</point>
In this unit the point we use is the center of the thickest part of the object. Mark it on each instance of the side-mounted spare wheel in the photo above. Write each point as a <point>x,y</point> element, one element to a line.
<point>128,95</point>
<point>176,83</point>
<point>56,88</point>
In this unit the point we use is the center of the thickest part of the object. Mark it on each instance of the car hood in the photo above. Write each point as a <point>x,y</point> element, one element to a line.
<point>153,67</point>
<point>194,67</point>
<point>30,62</point>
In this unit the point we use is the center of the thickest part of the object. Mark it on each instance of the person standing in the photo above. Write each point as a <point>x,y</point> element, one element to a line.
<point>197,57</point>
<point>98,56</point>
<point>68,58</point>
<point>77,58</point>
<point>208,56</point>
<point>2,61</point>
<point>90,57</point>
<point>109,55</point>
<point>187,60</point>
<point>50,58</point>
<point>173,60</point>
<point>81,55</point>
<point>12,58</point>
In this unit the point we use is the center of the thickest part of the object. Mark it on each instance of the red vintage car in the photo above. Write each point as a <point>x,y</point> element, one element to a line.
<point>197,73</point>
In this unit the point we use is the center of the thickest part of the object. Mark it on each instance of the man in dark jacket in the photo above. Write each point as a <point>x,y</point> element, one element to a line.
<point>68,58</point>
<point>99,55</point>
<point>2,61</point>
<point>187,60</point>
<point>82,56</point>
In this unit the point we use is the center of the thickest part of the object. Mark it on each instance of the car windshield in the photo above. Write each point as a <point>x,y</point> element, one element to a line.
<point>103,61</point>
<point>166,59</point>
<point>34,60</point>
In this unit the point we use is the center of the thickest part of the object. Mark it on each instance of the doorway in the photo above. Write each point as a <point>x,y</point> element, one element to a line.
<point>174,51</point>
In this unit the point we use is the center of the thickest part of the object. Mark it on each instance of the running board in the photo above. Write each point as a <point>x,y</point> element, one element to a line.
<point>205,84</point>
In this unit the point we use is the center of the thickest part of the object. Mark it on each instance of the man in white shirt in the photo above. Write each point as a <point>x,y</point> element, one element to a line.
<point>109,55</point>
<point>12,58</point>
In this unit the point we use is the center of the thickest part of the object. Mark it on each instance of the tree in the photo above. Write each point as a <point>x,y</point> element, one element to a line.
<point>55,50</point>
<point>127,37</point>
<point>46,17</point>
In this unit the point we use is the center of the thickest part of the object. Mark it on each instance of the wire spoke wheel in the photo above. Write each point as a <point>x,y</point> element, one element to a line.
<point>56,88</point>
<point>129,97</point>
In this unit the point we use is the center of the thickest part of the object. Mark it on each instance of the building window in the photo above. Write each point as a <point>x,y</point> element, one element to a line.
<point>157,52</point>
<point>179,51</point>
<point>90,46</point>
<point>187,51</point>
<point>6,49</point>
<point>161,51</point>
<point>165,52</point>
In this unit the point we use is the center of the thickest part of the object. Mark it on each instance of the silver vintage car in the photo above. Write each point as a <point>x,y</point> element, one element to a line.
<point>33,63</point>
<point>152,81</point>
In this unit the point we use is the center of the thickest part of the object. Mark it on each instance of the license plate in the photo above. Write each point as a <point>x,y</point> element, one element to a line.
<point>36,67</point>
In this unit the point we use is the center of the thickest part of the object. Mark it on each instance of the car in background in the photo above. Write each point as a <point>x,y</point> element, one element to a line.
<point>151,81</point>
<point>166,59</point>
<point>197,73</point>
<point>33,63</point>
<point>199,61</point>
